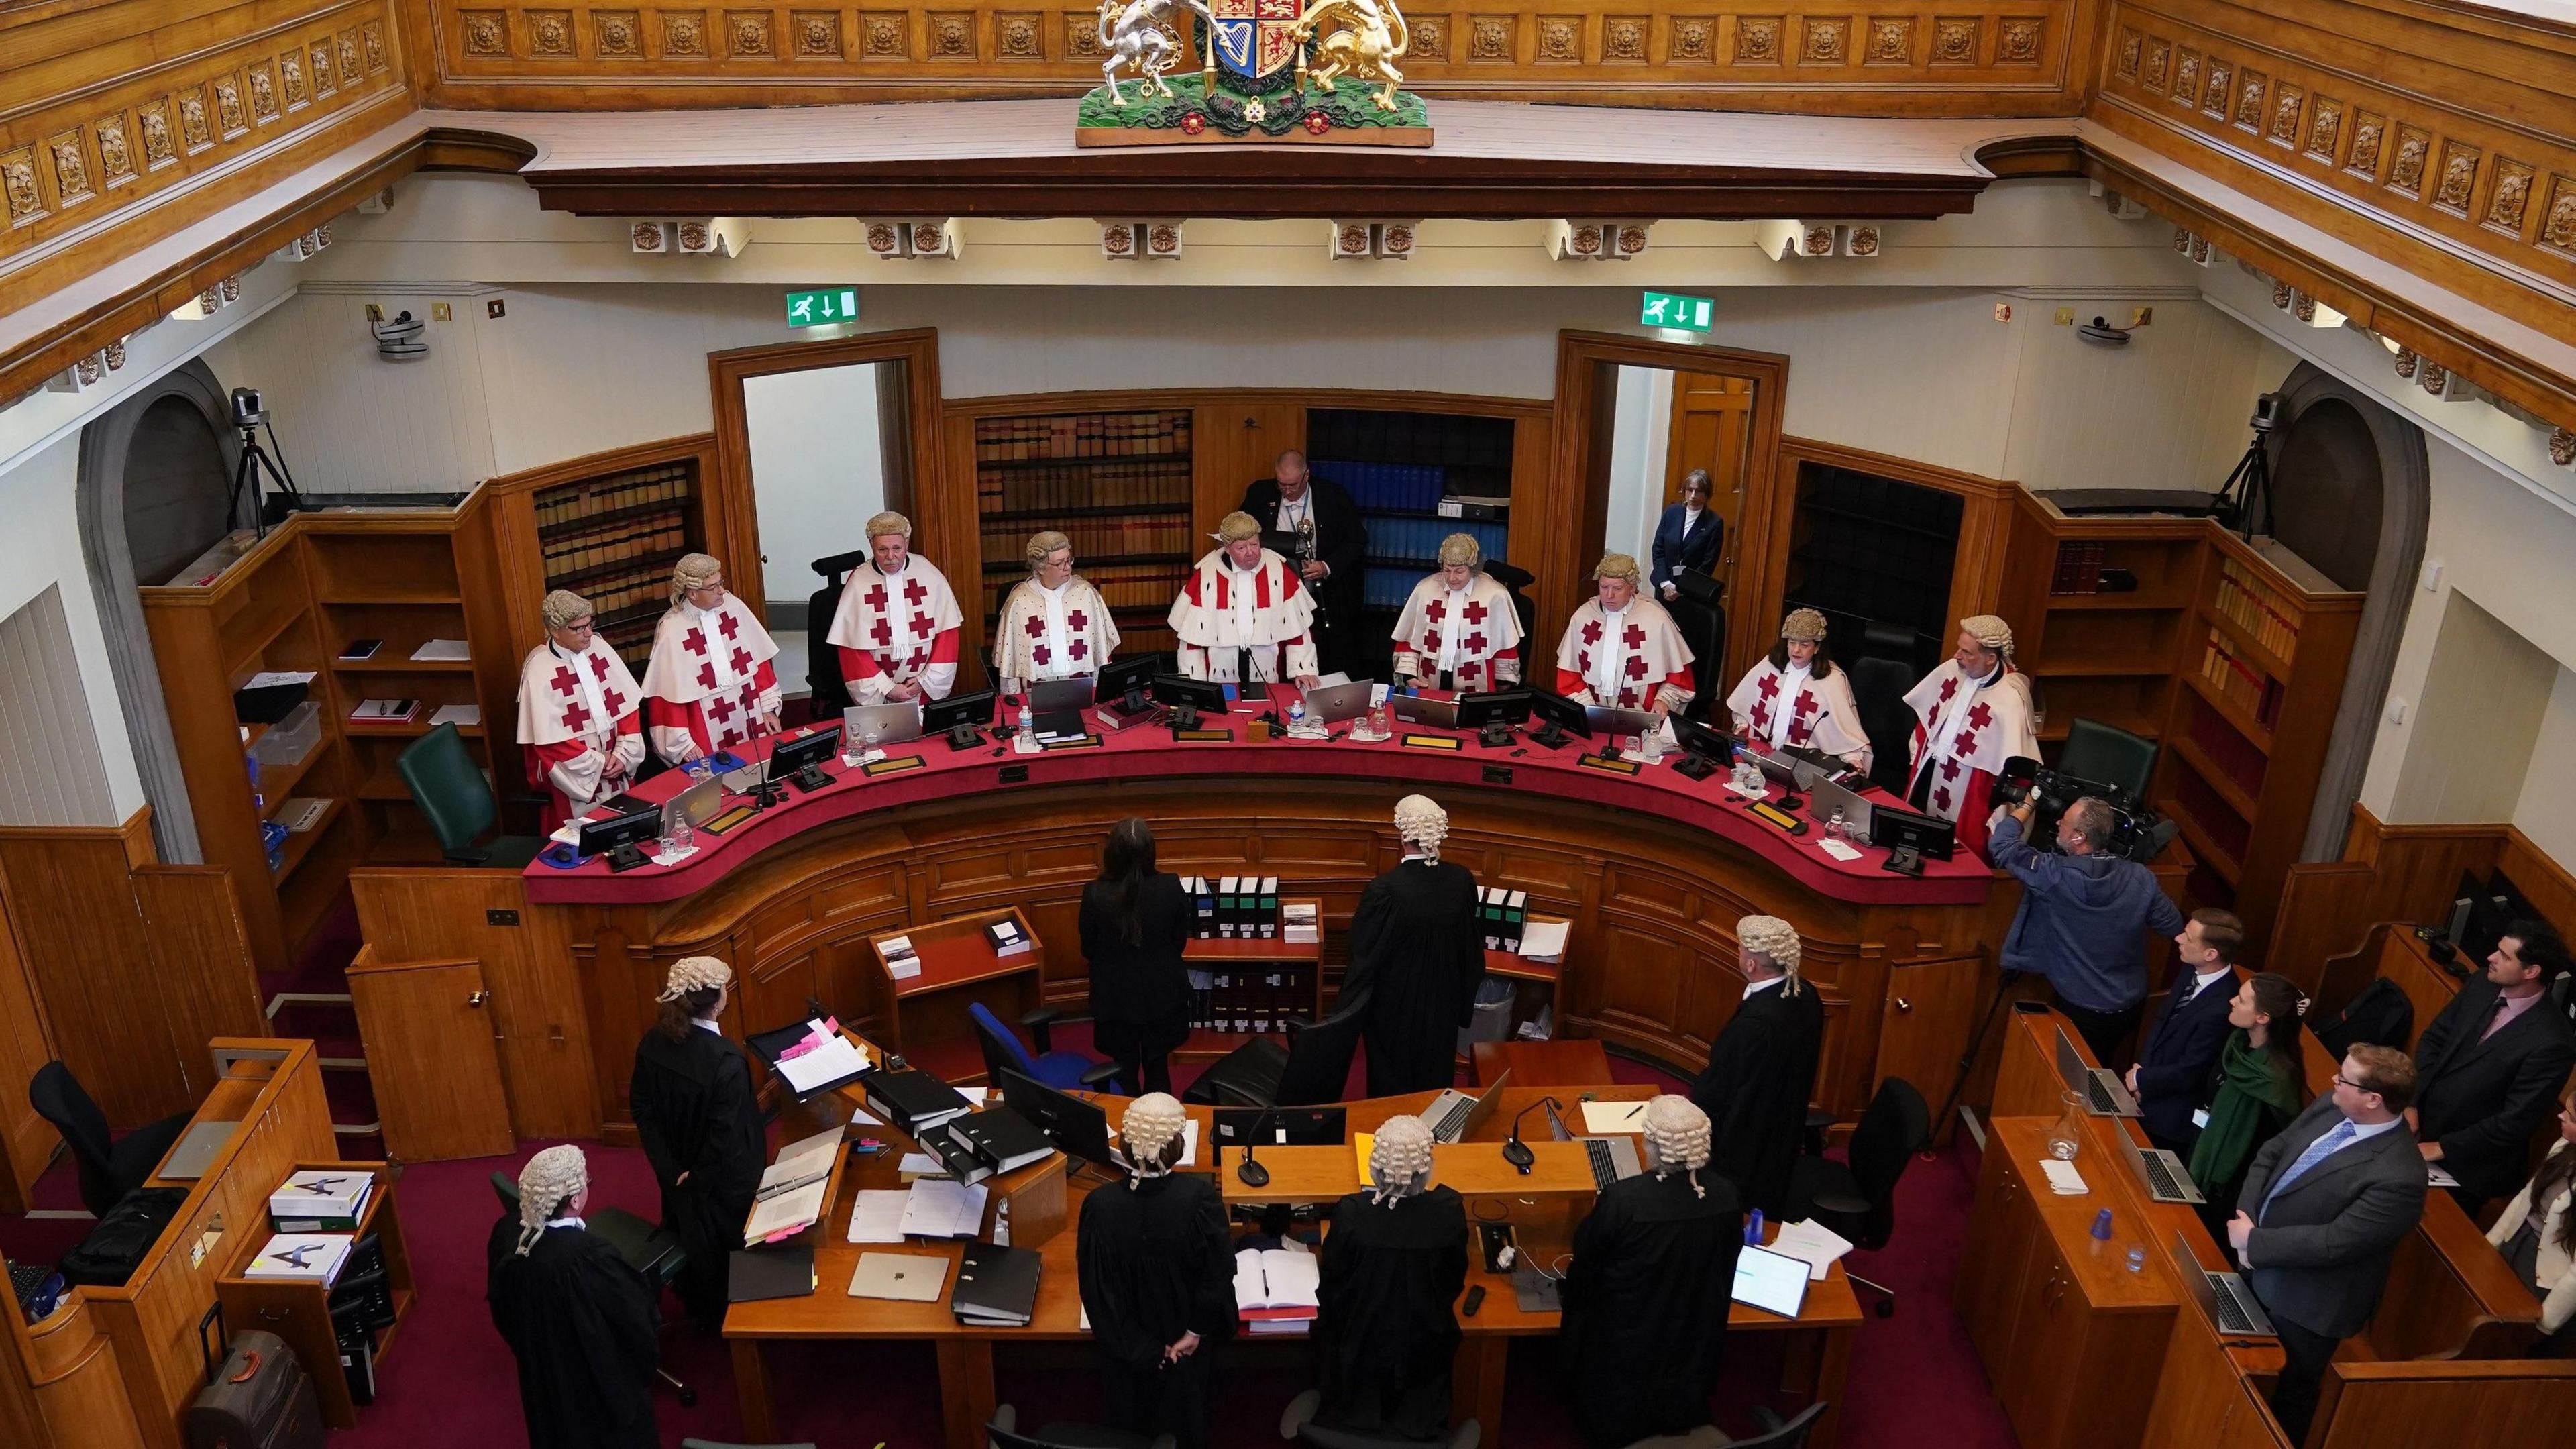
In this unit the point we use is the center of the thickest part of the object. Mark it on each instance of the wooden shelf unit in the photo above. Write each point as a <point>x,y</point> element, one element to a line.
<point>1369,452</point>
<point>300,1312</point>
<point>2229,654</point>
<point>1118,482</point>
<point>294,601</point>
<point>612,538</point>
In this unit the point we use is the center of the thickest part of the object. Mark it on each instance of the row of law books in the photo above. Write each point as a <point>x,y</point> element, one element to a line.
<point>2249,688</point>
<point>1006,543</point>
<point>1091,483</point>
<point>633,538</point>
<point>2256,609</point>
<point>1250,1001</point>
<point>2079,568</point>
<point>650,582</point>
<point>576,501</point>
<point>1082,435</point>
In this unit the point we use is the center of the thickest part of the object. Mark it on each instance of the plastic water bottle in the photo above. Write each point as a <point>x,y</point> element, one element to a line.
<point>1296,714</point>
<point>1024,720</point>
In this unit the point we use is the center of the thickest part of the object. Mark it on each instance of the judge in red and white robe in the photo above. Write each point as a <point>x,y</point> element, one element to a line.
<point>1244,602</point>
<point>896,628</point>
<point>711,684</point>
<point>1458,629</point>
<point>1970,715</point>
<point>1054,623</point>
<point>1621,648</point>
<point>1795,696</point>
<point>578,715</point>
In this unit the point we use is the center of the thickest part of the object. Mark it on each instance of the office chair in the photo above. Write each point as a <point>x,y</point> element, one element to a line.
<point>1514,579</point>
<point>1880,676</point>
<point>648,1248</point>
<point>1701,618</point>
<point>1003,1433</point>
<point>830,692</point>
<point>1857,1198</point>
<point>1299,1424</point>
<point>452,793</point>
<point>1312,1068</point>
<point>1063,1071</point>
<point>108,1169</point>
<point>2108,755</point>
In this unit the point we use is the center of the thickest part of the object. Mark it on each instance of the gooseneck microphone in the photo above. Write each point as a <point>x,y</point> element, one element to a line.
<point>1249,1172</point>
<point>1515,1151</point>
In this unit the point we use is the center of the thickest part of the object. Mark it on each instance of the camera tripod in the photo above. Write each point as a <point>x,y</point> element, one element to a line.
<point>2250,512</point>
<point>246,474</point>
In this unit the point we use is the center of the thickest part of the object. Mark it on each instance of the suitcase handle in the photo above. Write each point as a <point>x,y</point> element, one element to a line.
<point>213,1354</point>
<point>250,1366</point>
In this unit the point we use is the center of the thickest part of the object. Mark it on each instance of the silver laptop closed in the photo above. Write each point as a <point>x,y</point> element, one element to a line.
<point>2100,1087</point>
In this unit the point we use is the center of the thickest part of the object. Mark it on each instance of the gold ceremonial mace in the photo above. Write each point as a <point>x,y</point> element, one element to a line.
<point>1207,63</point>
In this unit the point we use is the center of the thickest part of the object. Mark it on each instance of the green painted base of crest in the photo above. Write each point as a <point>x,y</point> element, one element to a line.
<point>1151,118</point>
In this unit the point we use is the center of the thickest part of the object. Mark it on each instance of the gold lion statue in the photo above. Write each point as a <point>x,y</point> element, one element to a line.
<point>1368,38</point>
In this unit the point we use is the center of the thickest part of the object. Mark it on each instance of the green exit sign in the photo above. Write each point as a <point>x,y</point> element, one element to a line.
<point>1669,309</point>
<point>816,309</point>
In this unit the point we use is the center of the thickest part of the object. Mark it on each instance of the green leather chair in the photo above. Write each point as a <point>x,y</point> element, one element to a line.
<point>450,789</point>
<point>2108,755</point>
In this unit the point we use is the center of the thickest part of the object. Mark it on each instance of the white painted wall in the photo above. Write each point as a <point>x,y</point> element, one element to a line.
<point>41,549</point>
<point>816,472</point>
<point>2546,810</point>
<point>1642,435</point>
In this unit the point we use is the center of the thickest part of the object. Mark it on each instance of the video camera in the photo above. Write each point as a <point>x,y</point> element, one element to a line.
<point>2050,791</point>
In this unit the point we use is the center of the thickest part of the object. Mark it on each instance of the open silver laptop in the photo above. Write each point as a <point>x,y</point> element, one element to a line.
<point>1453,1114</point>
<point>1413,709</point>
<point>2222,1295</point>
<point>1824,797</point>
<point>1613,722</point>
<point>1612,1158</point>
<point>743,781</point>
<point>2158,1171</point>
<point>697,805</point>
<point>1334,703</point>
<point>2100,1087</point>
<point>867,726</point>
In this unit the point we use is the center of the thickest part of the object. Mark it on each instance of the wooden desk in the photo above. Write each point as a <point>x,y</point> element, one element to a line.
<point>958,969</point>
<point>1579,1063</point>
<point>1558,1170</point>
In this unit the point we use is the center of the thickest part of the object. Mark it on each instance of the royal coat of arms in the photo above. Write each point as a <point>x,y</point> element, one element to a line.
<point>1256,70</point>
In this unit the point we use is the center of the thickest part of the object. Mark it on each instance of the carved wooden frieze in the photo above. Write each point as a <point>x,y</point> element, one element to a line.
<point>1890,41</point>
<point>1560,40</point>
<point>1623,39</point>
<point>616,34</point>
<point>1954,40</point>
<point>2510,202</point>
<point>1757,40</point>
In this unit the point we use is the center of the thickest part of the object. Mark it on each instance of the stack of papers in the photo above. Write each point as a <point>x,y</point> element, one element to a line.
<point>1007,938</point>
<point>442,651</point>
<point>301,1257</point>
<point>379,711</point>
<point>1275,1288</point>
<point>1544,941</point>
<point>901,962</point>
<point>1298,925</point>
<point>1812,1243</point>
<point>317,1201</point>
<point>878,1218</point>
<point>2063,1179</point>
<point>1602,1119</point>
<point>937,1207</point>
<point>829,1062</point>
<point>459,715</point>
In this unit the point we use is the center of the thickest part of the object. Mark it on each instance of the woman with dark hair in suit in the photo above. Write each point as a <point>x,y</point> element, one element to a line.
<point>701,1128</point>
<point>1135,919</point>
<point>2537,1235</point>
<point>2253,1092</point>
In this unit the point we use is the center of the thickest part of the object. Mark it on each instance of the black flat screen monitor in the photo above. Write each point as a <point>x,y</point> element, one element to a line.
<point>1292,1126</point>
<point>939,716</point>
<point>598,837</point>
<point>2494,904</point>
<point>1504,706</point>
<point>1119,677</point>
<point>1713,745</point>
<point>808,750</point>
<point>1559,711</point>
<point>1930,837</point>
<point>1204,695</point>
<point>1077,1128</point>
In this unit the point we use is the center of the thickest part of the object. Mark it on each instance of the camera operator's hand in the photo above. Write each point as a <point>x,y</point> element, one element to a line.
<point>2024,809</point>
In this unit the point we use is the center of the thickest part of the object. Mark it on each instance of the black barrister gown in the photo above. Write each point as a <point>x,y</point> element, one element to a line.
<point>1760,1070</point>
<point>1417,952</point>
<point>695,1113</point>
<point>582,1325</point>
<point>1140,994</point>
<point>1388,1330</point>
<point>1156,1262</point>
<point>1646,1302</point>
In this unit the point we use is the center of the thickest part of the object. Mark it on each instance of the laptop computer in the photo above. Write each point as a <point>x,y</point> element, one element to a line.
<point>697,805</point>
<point>1334,703</point>
<point>1413,709</point>
<point>1607,720</point>
<point>2158,1171</point>
<point>1824,797</point>
<point>903,1277</point>
<point>1453,1114</point>
<point>1772,1282</point>
<point>2221,1295</point>
<point>1611,1158</point>
<point>1283,1126</point>
<point>1056,706</point>
<point>867,726</point>
<point>2100,1087</point>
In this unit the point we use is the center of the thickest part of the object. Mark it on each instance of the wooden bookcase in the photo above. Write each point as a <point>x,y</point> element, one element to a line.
<point>1118,483</point>
<point>300,1312</point>
<point>295,601</point>
<point>612,539</point>
<point>1397,465</point>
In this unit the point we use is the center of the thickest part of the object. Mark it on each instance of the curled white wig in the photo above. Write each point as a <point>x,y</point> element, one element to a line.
<point>1399,1159</point>
<point>1422,824</point>
<point>551,1179</point>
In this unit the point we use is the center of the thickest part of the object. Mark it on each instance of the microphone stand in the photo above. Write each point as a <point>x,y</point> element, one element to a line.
<point>1515,1151</point>
<point>1249,1172</point>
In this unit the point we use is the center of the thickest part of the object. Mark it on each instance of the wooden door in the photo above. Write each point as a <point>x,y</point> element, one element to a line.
<point>1233,445</point>
<point>431,1054</point>
<point>1712,424</point>
<point>1924,1024</point>
<point>27,1141</point>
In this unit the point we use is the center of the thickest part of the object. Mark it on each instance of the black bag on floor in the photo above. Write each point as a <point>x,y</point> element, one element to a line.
<point>107,1257</point>
<point>257,1397</point>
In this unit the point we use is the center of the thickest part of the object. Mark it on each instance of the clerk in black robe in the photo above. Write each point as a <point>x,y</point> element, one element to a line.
<point>1394,1262</point>
<point>1417,953</point>
<point>1135,922</point>
<point>1762,1067</point>
<point>700,1125</point>
<point>1649,1291</point>
<point>1156,1269</point>
<point>581,1323</point>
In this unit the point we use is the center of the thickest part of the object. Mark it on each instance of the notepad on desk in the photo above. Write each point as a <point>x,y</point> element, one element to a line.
<point>1818,1246</point>
<point>1604,1118</point>
<point>878,1217</point>
<point>1544,941</point>
<point>939,1207</point>
<point>834,1060</point>
<point>2062,1177</point>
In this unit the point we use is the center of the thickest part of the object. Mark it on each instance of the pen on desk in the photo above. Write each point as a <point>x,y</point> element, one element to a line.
<point>1633,1113</point>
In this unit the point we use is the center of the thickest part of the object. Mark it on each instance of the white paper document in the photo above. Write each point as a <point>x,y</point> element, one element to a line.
<point>921,1164</point>
<point>2063,1179</point>
<point>1837,850</point>
<point>271,678</point>
<point>864,1118</point>
<point>1544,940</point>
<point>1812,1242</point>
<point>836,1058</point>
<point>1275,1278</point>
<point>938,1207</point>
<point>459,715</point>
<point>879,1217</point>
<point>442,650</point>
<point>788,1212</point>
<point>1600,1119</point>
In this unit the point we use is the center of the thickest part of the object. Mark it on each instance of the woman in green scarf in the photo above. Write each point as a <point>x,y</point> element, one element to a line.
<point>2255,1092</point>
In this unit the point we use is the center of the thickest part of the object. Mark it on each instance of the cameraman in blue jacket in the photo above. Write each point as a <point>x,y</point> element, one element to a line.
<point>2083,920</point>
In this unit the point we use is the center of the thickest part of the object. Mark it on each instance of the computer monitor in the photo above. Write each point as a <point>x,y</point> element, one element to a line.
<point>939,716</point>
<point>1056,696</point>
<point>1120,678</point>
<point>1502,706</point>
<point>1558,713</point>
<point>1713,745</point>
<point>1179,691</point>
<point>803,757</point>
<point>1292,1126</point>
<point>616,836</point>
<point>1077,1128</point>
<point>2494,904</point>
<point>1925,835</point>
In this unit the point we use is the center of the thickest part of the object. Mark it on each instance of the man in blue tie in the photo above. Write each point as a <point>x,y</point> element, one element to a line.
<point>2324,1205</point>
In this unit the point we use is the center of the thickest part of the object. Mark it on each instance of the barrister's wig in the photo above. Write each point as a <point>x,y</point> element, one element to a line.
<point>1774,940</point>
<point>1989,630</point>
<point>551,1179</point>
<point>1042,544</point>
<point>693,571</point>
<point>1619,566</point>
<point>694,973</point>
<point>1153,1121</point>
<point>1237,526</point>
<point>889,522</point>
<point>1422,824</point>
<point>563,608</point>
<point>1803,626</point>
<point>1460,548</point>
<point>1677,1134</point>
<point>1399,1159</point>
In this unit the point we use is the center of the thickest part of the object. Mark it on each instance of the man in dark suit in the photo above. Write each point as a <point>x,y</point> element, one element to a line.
<point>2324,1206</point>
<point>2488,1069</point>
<point>1296,503</point>
<point>2181,1046</point>
<point>1687,537</point>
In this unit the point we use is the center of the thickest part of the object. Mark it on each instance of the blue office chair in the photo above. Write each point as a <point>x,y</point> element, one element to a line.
<point>1064,1071</point>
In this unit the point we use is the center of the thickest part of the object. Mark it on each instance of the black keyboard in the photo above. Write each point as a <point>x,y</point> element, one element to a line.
<point>2161,1178</point>
<point>1451,1121</point>
<point>2231,1318</point>
<point>1605,1169</point>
